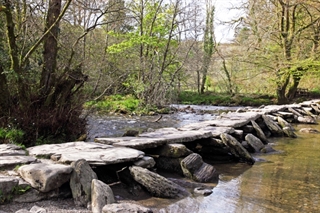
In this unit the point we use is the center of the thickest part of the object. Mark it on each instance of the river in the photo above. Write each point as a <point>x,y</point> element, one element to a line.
<point>285,181</point>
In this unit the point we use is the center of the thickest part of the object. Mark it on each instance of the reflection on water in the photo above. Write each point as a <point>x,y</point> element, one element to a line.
<point>284,182</point>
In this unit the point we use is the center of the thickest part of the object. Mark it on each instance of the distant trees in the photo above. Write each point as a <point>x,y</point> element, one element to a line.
<point>282,37</point>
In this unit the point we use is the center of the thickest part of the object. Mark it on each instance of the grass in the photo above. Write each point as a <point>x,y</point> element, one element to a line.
<point>222,99</point>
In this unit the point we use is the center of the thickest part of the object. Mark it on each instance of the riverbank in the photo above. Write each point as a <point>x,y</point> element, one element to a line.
<point>219,136</point>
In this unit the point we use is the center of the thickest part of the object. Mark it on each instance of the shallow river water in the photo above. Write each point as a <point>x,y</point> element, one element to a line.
<point>285,181</point>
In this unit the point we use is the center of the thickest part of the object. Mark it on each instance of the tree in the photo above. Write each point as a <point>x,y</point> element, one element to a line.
<point>151,48</point>
<point>208,44</point>
<point>279,35</point>
<point>44,103</point>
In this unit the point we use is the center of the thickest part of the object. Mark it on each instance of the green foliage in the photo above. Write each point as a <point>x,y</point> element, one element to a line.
<point>12,135</point>
<point>115,103</point>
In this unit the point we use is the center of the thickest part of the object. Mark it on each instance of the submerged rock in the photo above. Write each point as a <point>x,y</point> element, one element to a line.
<point>309,130</point>
<point>272,126</point>
<point>254,142</point>
<point>237,149</point>
<point>194,168</point>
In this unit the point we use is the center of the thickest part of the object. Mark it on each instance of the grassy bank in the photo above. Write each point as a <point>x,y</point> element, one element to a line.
<point>221,99</point>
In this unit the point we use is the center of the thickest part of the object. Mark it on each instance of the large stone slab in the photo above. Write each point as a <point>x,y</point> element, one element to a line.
<point>233,119</point>
<point>93,153</point>
<point>172,135</point>
<point>12,161</point>
<point>45,177</point>
<point>134,142</point>
<point>11,150</point>
<point>158,138</point>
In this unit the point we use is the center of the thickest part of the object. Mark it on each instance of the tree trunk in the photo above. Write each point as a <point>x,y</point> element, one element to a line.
<point>5,95</point>
<point>208,45</point>
<point>50,48</point>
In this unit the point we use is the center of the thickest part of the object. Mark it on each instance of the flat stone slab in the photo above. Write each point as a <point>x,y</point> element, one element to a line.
<point>234,120</point>
<point>12,161</point>
<point>11,150</point>
<point>93,153</point>
<point>157,138</point>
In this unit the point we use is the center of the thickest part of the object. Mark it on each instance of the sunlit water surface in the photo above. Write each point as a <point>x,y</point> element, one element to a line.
<point>287,181</point>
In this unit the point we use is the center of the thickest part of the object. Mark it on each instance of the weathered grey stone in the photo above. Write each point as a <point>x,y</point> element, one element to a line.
<point>315,108</point>
<point>12,161</point>
<point>267,149</point>
<point>80,182</point>
<point>283,123</point>
<point>158,138</point>
<point>259,132</point>
<point>174,151</point>
<point>45,177</point>
<point>202,191</point>
<point>101,195</point>
<point>294,112</point>
<point>125,208</point>
<point>11,150</point>
<point>7,184</point>
<point>272,126</point>
<point>194,168</point>
<point>254,142</point>
<point>156,184</point>
<point>93,153</point>
<point>234,120</point>
<point>288,132</point>
<point>216,131</point>
<point>237,149</point>
<point>33,195</point>
<point>145,162</point>
<point>269,109</point>
<point>37,209</point>
<point>22,211</point>
<point>307,120</point>
<point>309,130</point>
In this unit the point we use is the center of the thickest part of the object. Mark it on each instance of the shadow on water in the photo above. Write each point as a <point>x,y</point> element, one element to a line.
<point>286,181</point>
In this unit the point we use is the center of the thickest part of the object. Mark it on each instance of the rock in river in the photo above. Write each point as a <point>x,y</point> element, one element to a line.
<point>156,184</point>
